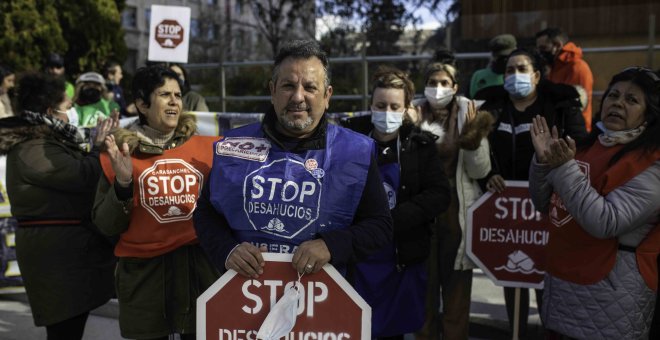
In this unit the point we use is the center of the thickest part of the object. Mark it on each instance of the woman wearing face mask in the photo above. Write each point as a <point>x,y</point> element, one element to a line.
<point>393,282</point>
<point>524,95</point>
<point>601,262</point>
<point>66,264</point>
<point>463,149</point>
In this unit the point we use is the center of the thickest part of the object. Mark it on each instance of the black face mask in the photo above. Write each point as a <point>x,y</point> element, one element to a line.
<point>499,65</point>
<point>89,95</point>
<point>548,57</point>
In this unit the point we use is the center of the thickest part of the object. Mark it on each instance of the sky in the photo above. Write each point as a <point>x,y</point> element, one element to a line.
<point>429,22</point>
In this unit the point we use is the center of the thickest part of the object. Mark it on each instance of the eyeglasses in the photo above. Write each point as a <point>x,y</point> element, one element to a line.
<point>646,71</point>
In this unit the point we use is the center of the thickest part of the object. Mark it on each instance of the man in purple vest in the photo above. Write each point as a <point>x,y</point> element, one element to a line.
<point>293,183</point>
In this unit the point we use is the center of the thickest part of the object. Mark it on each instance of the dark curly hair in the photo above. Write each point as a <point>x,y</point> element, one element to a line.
<point>147,80</point>
<point>536,60</point>
<point>37,92</point>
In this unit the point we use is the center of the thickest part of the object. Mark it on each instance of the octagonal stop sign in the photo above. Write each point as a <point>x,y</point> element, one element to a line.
<point>506,237</point>
<point>169,33</point>
<point>234,307</point>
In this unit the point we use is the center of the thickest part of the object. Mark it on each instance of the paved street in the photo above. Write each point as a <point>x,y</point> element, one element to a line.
<point>488,317</point>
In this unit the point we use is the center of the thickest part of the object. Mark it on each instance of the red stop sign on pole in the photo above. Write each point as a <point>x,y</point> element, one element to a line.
<point>506,237</point>
<point>169,33</point>
<point>234,307</point>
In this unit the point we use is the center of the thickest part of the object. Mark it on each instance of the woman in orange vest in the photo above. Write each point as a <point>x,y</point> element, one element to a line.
<point>604,204</point>
<point>154,170</point>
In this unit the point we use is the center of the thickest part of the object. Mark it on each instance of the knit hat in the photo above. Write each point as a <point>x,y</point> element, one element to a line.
<point>502,45</point>
<point>91,77</point>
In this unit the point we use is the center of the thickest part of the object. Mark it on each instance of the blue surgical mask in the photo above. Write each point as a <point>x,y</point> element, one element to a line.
<point>519,85</point>
<point>386,121</point>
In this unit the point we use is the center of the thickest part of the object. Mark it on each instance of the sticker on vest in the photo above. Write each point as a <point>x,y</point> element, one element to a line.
<point>169,190</point>
<point>313,167</point>
<point>282,198</point>
<point>252,149</point>
<point>559,215</point>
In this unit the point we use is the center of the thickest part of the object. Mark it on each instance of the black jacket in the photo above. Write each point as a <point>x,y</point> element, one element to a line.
<point>423,192</point>
<point>511,153</point>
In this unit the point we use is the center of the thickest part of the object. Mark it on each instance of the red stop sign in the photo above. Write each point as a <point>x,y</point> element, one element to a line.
<point>234,307</point>
<point>506,237</point>
<point>169,33</point>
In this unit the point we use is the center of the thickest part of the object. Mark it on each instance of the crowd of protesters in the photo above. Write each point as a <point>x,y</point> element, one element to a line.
<point>392,215</point>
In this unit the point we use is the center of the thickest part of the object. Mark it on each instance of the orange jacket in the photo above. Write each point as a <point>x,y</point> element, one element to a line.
<point>576,256</point>
<point>165,192</point>
<point>569,68</point>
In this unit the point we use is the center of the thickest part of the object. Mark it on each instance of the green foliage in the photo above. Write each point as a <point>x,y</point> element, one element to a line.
<point>29,29</point>
<point>93,30</point>
<point>85,32</point>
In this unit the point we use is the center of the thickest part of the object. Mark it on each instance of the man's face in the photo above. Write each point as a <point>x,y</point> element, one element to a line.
<point>55,70</point>
<point>299,96</point>
<point>545,46</point>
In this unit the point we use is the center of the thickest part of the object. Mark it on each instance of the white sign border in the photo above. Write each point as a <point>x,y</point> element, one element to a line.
<point>468,241</point>
<point>277,257</point>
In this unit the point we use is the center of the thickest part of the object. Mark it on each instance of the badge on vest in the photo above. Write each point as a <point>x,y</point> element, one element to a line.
<point>559,215</point>
<point>313,167</point>
<point>169,190</point>
<point>283,197</point>
<point>249,148</point>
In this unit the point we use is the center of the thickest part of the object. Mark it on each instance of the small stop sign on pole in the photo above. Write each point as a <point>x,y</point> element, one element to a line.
<point>506,237</point>
<point>169,34</point>
<point>234,307</point>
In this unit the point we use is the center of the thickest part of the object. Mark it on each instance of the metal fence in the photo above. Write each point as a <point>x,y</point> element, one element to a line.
<point>364,60</point>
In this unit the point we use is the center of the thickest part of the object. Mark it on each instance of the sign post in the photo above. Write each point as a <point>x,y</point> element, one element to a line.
<point>169,33</point>
<point>506,238</point>
<point>234,307</point>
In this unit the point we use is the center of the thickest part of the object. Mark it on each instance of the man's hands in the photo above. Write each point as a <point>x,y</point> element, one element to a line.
<point>246,260</point>
<point>310,257</point>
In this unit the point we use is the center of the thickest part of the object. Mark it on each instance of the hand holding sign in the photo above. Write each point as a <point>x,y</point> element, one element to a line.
<point>246,259</point>
<point>311,256</point>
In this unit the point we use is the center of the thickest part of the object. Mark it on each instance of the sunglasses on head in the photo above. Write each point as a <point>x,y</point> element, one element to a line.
<point>646,71</point>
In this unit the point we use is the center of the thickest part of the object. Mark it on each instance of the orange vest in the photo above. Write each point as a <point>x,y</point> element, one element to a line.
<point>165,192</point>
<point>576,256</point>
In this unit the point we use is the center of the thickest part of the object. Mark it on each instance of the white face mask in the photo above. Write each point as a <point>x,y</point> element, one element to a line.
<point>439,97</point>
<point>386,121</point>
<point>282,317</point>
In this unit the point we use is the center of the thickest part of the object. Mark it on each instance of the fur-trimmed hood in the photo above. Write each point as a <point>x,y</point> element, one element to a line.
<point>14,130</point>
<point>185,129</point>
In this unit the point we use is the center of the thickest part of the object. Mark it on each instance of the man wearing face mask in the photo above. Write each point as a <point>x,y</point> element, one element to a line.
<point>90,102</point>
<point>566,65</point>
<point>500,47</point>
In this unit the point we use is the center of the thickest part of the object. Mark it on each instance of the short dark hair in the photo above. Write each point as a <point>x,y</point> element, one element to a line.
<point>553,34</point>
<point>37,92</point>
<point>147,80</point>
<point>5,71</point>
<point>186,81</point>
<point>444,55</point>
<point>533,55</point>
<point>302,49</point>
<point>109,67</point>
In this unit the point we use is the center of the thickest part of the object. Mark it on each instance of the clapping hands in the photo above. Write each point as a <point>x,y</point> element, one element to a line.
<point>550,149</point>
